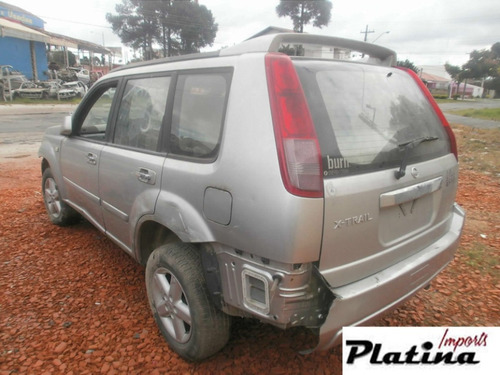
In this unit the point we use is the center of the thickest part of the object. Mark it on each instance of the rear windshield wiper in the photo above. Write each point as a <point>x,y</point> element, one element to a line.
<point>406,147</point>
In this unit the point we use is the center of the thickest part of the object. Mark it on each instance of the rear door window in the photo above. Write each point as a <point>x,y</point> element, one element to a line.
<point>364,115</point>
<point>141,113</point>
<point>198,114</point>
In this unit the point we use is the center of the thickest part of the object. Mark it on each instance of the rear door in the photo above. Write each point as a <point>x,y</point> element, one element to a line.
<point>131,165</point>
<point>389,176</point>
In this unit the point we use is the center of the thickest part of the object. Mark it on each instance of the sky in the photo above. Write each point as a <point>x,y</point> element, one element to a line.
<point>426,32</point>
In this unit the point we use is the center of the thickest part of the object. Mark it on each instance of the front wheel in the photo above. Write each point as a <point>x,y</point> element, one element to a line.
<point>59,212</point>
<point>181,303</point>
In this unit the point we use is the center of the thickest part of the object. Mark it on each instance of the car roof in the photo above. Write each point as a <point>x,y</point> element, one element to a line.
<point>272,43</point>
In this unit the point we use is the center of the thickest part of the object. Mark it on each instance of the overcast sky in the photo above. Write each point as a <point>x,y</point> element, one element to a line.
<point>427,32</point>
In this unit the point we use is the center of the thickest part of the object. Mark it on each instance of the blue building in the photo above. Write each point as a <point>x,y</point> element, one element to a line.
<point>22,42</point>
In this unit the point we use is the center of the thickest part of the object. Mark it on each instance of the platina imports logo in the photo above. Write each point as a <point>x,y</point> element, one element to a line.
<point>411,350</point>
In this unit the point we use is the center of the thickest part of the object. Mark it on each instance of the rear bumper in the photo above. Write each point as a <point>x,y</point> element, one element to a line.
<point>366,300</point>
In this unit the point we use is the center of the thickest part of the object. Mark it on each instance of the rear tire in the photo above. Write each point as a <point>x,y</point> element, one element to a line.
<point>59,212</point>
<point>181,304</point>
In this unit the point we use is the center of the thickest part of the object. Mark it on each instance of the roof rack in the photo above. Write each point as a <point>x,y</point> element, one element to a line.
<point>272,43</point>
<point>191,56</point>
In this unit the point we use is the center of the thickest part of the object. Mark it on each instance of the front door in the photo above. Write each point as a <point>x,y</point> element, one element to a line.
<point>81,154</point>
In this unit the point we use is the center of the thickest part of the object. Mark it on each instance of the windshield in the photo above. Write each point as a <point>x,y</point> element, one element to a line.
<point>363,113</point>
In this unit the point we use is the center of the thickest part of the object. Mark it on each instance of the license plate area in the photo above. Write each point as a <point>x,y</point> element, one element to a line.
<point>405,212</point>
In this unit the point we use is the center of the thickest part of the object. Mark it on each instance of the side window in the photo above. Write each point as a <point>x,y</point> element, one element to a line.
<point>96,120</point>
<point>141,113</point>
<point>198,114</point>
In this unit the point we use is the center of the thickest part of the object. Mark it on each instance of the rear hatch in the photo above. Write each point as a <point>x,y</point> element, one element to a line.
<point>390,175</point>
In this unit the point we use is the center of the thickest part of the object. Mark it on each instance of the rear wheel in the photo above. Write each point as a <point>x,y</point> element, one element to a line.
<point>59,212</point>
<point>181,303</point>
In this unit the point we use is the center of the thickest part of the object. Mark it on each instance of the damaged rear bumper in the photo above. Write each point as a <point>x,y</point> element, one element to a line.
<point>365,300</point>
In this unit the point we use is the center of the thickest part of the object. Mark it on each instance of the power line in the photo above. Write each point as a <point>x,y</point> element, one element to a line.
<point>176,20</point>
<point>79,23</point>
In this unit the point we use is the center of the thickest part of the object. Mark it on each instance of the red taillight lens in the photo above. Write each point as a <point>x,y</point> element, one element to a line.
<point>439,113</point>
<point>298,147</point>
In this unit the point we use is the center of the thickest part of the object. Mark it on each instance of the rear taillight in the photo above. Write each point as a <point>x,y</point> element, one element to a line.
<point>298,147</point>
<point>437,110</point>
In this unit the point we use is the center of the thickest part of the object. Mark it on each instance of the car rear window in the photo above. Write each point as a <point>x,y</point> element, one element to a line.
<point>365,115</point>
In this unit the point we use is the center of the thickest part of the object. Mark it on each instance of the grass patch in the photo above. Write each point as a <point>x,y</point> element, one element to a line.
<point>439,101</point>
<point>483,114</point>
<point>483,258</point>
<point>74,100</point>
<point>478,149</point>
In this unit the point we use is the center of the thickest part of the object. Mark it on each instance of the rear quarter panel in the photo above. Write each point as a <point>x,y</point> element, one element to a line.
<point>265,220</point>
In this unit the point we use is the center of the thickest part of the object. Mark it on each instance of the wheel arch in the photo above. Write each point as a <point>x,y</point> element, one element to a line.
<point>49,161</point>
<point>44,164</point>
<point>151,235</point>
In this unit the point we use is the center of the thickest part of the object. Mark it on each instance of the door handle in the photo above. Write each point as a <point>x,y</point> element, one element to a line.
<point>146,175</point>
<point>91,158</point>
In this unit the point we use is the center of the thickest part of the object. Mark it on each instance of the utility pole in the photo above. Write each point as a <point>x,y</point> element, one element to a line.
<point>366,32</point>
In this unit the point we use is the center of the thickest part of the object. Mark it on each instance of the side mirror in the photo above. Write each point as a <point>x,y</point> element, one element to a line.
<point>66,127</point>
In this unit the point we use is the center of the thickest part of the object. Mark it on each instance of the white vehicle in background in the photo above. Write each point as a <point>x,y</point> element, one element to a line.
<point>83,75</point>
<point>12,79</point>
<point>76,86</point>
<point>43,90</point>
<point>56,90</point>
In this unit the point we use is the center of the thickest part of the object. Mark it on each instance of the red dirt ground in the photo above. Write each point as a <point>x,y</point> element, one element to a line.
<point>71,302</point>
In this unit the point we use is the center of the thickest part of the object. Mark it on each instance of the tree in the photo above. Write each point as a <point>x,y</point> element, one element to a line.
<point>302,12</point>
<point>483,65</point>
<point>58,57</point>
<point>135,25</point>
<point>292,50</point>
<point>193,24</point>
<point>495,49</point>
<point>178,26</point>
<point>453,70</point>
<point>409,65</point>
<point>493,83</point>
<point>95,61</point>
<point>165,35</point>
<point>455,73</point>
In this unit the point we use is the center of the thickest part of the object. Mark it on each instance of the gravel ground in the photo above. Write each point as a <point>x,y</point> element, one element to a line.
<point>71,302</point>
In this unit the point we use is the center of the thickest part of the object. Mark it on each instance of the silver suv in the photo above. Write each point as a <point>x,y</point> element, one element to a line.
<point>314,191</point>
